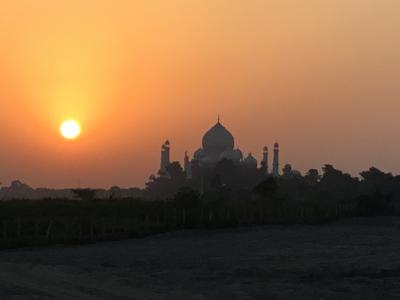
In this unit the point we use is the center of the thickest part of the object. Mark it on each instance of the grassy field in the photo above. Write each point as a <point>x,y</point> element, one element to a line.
<point>46,222</point>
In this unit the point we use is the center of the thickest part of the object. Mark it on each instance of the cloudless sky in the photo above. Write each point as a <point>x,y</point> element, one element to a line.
<point>319,76</point>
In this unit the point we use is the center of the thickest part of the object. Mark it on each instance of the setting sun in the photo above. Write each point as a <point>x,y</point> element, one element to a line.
<point>70,129</point>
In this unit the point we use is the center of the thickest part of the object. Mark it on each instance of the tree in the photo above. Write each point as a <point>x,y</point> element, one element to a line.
<point>333,178</point>
<point>175,171</point>
<point>166,184</point>
<point>84,194</point>
<point>374,204</point>
<point>376,177</point>
<point>312,177</point>
<point>266,188</point>
<point>114,192</point>
<point>287,170</point>
<point>187,198</point>
<point>337,186</point>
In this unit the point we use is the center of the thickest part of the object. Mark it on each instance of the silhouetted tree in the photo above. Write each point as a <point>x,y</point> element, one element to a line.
<point>374,179</point>
<point>374,204</point>
<point>85,194</point>
<point>312,177</point>
<point>267,188</point>
<point>287,170</point>
<point>175,171</point>
<point>166,184</point>
<point>187,198</point>
<point>375,176</point>
<point>337,181</point>
<point>114,192</point>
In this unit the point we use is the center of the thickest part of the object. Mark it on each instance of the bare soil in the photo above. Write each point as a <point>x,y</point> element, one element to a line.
<point>351,259</point>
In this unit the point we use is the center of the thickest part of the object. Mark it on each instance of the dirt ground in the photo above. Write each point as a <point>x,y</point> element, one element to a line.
<point>352,259</point>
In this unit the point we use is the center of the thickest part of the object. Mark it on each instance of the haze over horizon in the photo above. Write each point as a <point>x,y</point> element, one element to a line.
<point>319,77</point>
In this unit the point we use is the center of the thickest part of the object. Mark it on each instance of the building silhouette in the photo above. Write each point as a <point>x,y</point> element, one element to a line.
<point>275,164</point>
<point>187,166</point>
<point>264,162</point>
<point>218,144</point>
<point>165,158</point>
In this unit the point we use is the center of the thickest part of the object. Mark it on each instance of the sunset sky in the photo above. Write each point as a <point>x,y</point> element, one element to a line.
<point>321,77</point>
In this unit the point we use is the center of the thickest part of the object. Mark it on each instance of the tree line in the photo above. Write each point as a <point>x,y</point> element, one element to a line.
<point>219,198</point>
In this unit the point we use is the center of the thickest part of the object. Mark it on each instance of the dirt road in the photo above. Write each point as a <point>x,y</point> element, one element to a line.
<point>353,259</point>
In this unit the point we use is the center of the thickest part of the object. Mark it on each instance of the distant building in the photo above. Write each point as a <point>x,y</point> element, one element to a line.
<point>219,144</point>
<point>264,162</point>
<point>275,164</point>
<point>165,158</point>
<point>187,166</point>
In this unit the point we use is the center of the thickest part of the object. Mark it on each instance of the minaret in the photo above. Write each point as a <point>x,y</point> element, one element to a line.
<point>275,164</point>
<point>165,149</point>
<point>187,166</point>
<point>264,163</point>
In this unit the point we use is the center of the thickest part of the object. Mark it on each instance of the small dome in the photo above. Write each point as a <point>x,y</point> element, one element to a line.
<point>199,154</point>
<point>276,145</point>
<point>217,140</point>
<point>234,155</point>
<point>250,161</point>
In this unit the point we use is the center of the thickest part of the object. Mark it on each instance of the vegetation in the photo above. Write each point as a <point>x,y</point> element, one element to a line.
<point>289,199</point>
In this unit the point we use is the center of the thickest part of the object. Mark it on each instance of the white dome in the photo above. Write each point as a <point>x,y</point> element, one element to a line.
<point>217,140</point>
<point>250,161</point>
<point>234,155</point>
<point>199,154</point>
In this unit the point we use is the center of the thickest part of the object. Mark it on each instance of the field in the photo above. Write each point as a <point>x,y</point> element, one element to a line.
<point>355,258</point>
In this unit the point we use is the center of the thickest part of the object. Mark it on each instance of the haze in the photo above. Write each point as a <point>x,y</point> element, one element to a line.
<point>320,77</point>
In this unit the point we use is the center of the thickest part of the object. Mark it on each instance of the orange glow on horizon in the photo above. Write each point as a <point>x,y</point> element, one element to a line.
<point>320,77</point>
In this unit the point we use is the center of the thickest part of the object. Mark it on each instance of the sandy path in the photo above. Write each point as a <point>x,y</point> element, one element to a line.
<point>357,259</point>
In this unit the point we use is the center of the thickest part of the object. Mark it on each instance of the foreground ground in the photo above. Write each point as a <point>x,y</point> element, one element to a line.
<point>352,259</point>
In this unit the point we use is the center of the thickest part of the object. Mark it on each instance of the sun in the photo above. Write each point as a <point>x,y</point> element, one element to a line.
<point>70,129</point>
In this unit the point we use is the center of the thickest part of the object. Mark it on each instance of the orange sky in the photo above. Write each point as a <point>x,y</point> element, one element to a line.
<point>320,77</point>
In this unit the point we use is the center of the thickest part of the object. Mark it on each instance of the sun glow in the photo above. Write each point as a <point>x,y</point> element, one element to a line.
<point>70,129</point>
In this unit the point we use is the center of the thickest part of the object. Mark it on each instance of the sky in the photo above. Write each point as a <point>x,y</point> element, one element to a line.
<point>321,77</point>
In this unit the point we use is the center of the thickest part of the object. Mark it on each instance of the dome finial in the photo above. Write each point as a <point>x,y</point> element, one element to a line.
<point>218,119</point>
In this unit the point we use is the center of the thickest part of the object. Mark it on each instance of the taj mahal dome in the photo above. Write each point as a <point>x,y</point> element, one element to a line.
<point>218,144</point>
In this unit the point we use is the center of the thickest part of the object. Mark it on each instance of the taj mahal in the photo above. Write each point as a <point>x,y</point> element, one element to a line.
<point>218,144</point>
